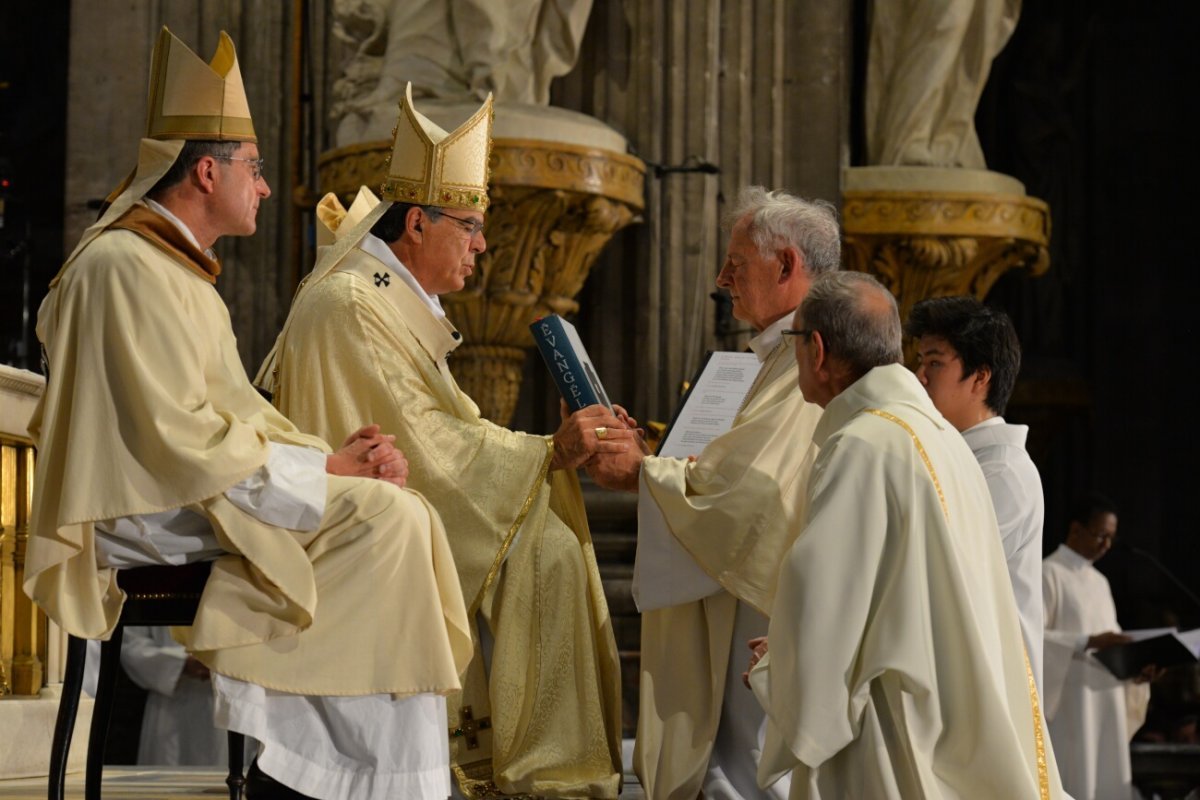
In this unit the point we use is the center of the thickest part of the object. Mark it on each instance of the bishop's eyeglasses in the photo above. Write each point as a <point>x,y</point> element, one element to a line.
<point>256,164</point>
<point>470,226</point>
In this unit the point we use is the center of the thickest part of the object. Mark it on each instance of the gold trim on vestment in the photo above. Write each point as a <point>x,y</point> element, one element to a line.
<point>502,553</point>
<point>921,450</point>
<point>1039,741</point>
<point>1043,770</point>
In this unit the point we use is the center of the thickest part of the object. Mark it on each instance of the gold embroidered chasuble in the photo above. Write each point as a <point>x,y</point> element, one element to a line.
<point>147,409</point>
<point>736,511</point>
<point>359,343</point>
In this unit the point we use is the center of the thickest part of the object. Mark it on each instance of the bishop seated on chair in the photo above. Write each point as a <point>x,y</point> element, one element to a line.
<point>545,675</point>
<point>154,448</point>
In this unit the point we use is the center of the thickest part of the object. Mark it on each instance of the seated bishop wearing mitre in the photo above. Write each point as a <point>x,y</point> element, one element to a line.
<point>540,708</point>
<point>332,620</point>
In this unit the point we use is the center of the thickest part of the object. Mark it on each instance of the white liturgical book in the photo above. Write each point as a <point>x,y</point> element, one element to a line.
<point>664,573</point>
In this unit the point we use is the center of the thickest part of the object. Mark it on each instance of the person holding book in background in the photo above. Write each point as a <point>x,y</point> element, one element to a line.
<point>968,359</point>
<point>540,709</point>
<point>1092,714</point>
<point>730,516</point>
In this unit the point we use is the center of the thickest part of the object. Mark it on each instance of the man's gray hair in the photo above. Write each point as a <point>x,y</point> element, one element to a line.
<point>779,219</point>
<point>857,319</point>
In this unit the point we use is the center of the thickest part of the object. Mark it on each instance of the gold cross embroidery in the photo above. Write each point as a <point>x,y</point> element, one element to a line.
<point>470,727</point>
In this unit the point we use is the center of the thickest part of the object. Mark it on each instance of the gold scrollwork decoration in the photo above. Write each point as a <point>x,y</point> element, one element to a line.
<point>935,244</point>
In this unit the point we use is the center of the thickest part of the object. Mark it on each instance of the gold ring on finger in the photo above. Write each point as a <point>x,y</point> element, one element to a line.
<point>602,432</point>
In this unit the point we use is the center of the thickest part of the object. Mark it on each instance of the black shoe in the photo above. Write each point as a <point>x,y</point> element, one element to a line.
<point>261,786</point>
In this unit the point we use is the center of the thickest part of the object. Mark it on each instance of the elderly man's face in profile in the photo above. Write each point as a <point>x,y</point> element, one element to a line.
<point>751,278</point>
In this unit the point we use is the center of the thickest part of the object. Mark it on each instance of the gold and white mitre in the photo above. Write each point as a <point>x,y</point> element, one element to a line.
<point>430,167</point>
<point>190,99</point>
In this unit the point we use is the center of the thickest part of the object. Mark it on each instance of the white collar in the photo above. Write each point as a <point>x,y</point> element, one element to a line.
<point>765,342</point>
<point>374,246</point>
<point>1071,558</point>
<point>987,423</point>
<point>161,210</point>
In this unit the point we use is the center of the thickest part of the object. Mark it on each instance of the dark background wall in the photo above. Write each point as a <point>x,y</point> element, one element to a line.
<point>1090,106</point>
<point>33,110</point>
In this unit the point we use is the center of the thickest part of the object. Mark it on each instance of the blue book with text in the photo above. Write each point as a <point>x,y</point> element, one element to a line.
<point>568,361</point>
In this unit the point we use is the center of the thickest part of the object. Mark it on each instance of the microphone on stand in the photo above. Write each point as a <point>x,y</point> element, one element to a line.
<point>1124,546</point>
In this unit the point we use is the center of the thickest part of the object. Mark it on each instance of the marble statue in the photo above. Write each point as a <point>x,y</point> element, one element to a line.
<point>454,51</point>
<point>927,65</point>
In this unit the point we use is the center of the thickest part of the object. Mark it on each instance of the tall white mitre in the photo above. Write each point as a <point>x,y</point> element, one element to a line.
<point>430,167</point>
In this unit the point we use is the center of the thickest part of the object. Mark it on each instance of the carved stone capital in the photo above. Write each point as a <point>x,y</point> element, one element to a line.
<point>554,207</point>
<point>928,244</point>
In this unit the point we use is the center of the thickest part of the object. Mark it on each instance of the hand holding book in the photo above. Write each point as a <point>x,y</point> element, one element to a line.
<point>592,427</point>
<point>1144,655</point>
<point>591,431</point>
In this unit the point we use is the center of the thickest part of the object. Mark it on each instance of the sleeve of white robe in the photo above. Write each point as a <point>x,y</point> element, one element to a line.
<point>153,664</point>
<point>1061,646</point>
<point>288,491</point>
<point>837,623</point>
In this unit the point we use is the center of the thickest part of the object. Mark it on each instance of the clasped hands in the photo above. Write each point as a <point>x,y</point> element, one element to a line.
<point>592,436</point>
<point>367,453</point>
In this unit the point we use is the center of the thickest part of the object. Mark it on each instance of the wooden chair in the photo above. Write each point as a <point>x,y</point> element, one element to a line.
<point>156,596</point>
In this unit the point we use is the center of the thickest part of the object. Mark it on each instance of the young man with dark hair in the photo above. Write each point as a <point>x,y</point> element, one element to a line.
<point>968,359</point>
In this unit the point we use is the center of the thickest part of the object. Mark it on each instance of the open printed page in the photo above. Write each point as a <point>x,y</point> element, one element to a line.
<point>664,573</point>
<point>711,404</point>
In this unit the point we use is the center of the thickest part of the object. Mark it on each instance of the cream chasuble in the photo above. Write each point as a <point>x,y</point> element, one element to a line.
<point>896,667</point>
<point>359,343</point>
<point>736,511</point>
<point>148,408</point>
<point>1092,714</point>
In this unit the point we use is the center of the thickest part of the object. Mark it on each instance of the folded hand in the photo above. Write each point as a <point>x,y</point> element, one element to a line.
<point>367,453</point>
